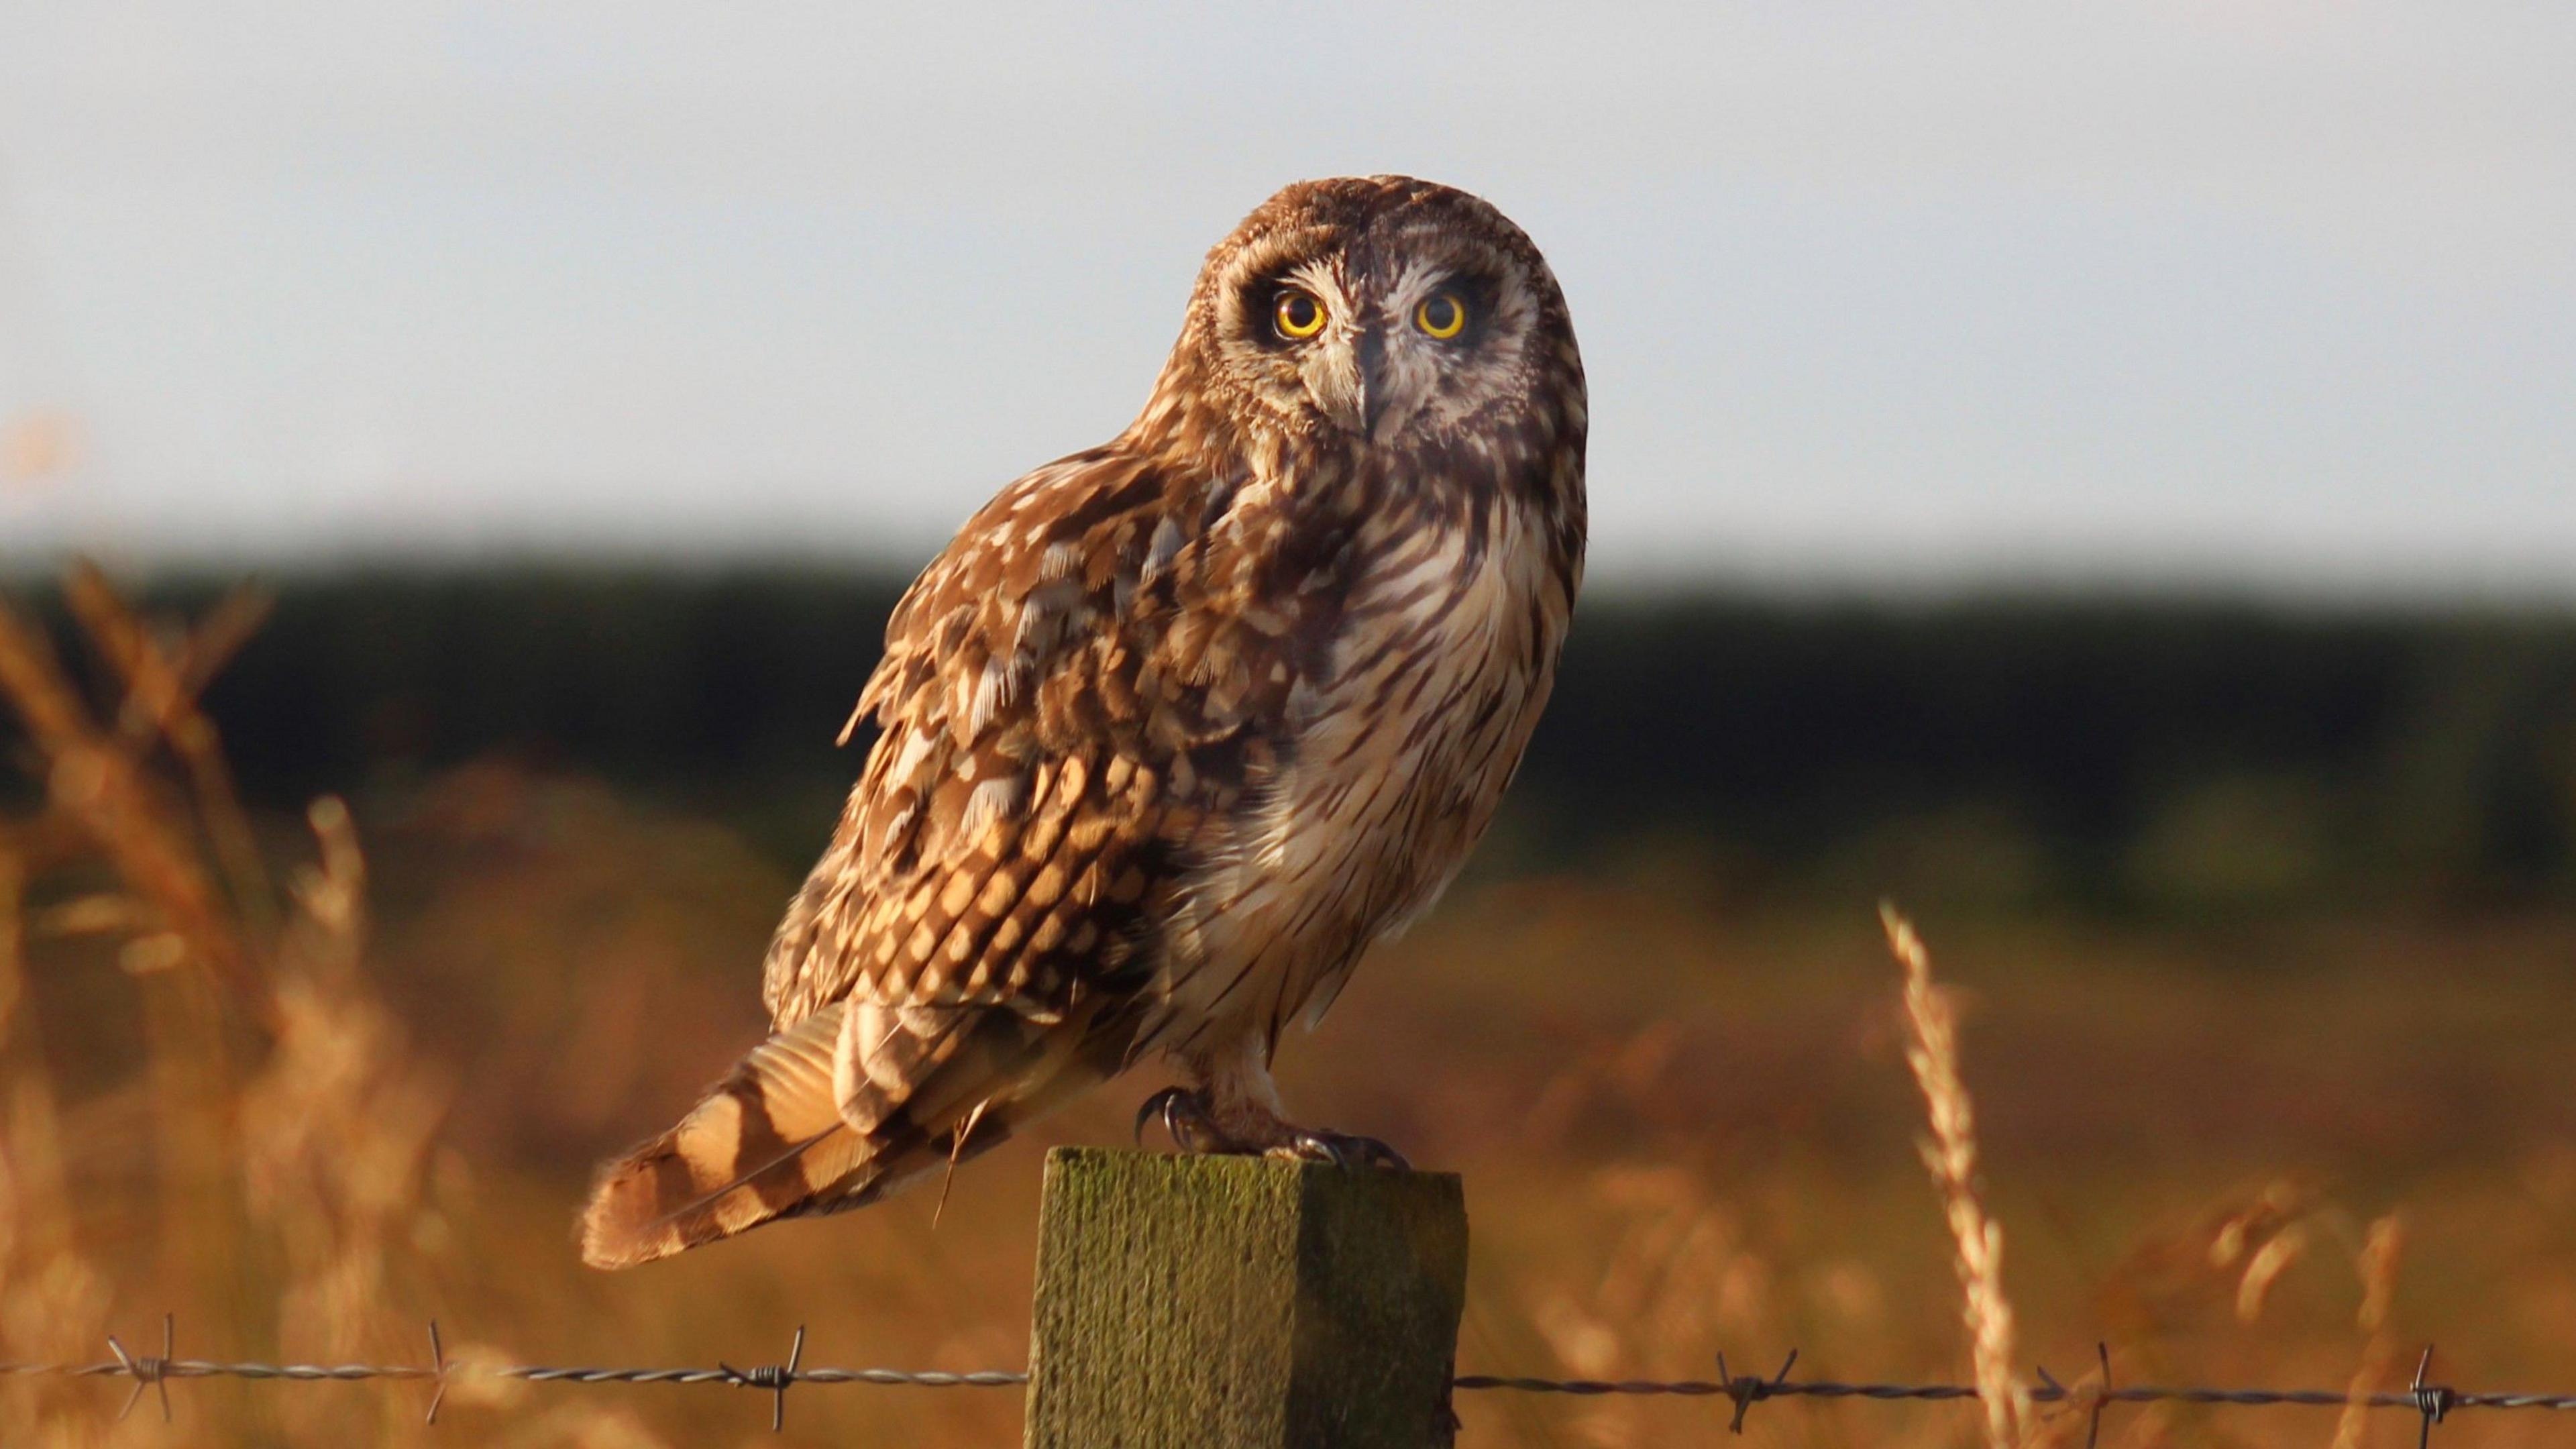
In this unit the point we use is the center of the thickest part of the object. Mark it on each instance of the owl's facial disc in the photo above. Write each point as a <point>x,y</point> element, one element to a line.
<point>1376,351</point>
<point>1383,310</point>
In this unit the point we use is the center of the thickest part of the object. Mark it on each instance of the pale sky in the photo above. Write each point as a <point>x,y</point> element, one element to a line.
<point>2271,295</point>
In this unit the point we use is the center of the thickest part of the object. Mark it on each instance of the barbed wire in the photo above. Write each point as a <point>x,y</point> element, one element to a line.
<point>2430,1401</point>
<point>2433,1402</point>
<point>157,1370</point>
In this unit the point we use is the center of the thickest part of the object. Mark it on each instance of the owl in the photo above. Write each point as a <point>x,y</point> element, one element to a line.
<point>1175,728</point>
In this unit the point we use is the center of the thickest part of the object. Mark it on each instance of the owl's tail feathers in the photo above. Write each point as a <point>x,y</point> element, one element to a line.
<point>766,1142</point>
<point>833,1113</point>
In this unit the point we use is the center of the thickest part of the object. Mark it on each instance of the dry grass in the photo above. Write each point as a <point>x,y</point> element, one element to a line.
<point>263,1161</point>
<point>1950,1154</point>
<point>2377,1267</point>
<point>309,1095</point>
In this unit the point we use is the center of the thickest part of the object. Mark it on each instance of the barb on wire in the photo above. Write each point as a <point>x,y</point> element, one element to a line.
<point>2050,1390</point>
<point>2101,1397</point>
<point>773,1378</point>
<point>152,1371</point>
<point>437,1372</point>
<point>1748,1391</point>
<point>2431,1400</point>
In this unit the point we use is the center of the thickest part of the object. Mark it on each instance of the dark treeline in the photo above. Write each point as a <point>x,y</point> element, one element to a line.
<point>2120,753</point>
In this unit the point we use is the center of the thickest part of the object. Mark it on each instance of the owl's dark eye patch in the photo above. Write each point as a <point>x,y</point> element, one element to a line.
<point>1475,296</point>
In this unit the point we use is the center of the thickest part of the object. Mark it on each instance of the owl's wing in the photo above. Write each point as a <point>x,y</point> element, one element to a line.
<point>1073,697</point>
<point>1052,688</point>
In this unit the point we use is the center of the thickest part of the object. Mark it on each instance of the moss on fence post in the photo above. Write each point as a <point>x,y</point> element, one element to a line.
<point>1229,1303</point>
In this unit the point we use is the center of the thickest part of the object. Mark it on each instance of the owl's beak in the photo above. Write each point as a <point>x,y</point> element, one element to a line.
<point>1348,383</point>
<point>1372,351</point>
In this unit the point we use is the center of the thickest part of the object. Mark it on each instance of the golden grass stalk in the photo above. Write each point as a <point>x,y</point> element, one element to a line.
<point>53,1302</point>
<point>161,689</point>
<point>2265,1268</point>
<point>13,881</point>
<point>94,780</point>
<point>1950,1152</point>
<point>2377,1265</point>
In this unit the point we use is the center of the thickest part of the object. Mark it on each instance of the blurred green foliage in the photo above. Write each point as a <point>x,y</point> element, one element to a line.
<point>2123,754</point>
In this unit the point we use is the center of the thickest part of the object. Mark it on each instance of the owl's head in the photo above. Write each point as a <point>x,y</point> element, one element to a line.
<point>1381,308</point>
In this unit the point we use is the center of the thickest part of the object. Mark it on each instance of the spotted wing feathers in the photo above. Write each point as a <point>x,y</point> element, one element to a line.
<point>1059,727</point>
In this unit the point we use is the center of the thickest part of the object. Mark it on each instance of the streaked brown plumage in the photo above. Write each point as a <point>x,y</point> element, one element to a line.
<point>1176,727</point>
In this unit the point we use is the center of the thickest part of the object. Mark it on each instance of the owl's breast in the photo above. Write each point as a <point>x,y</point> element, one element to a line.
<point>1394,752</point>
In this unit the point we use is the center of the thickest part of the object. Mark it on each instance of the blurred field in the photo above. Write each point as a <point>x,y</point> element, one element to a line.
<point>1672,1078</point>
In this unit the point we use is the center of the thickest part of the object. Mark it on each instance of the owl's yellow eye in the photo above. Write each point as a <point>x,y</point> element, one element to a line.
<point>1298,315</point>
<point>1441,315</point>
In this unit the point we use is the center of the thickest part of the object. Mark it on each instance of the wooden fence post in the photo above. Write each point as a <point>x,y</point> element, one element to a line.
<point>1234,1303</point>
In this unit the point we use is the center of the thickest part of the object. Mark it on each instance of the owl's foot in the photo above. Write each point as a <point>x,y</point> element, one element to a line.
<point>1191,1121</point>
<point>1185,1115</point>
<point>1339,1149</point>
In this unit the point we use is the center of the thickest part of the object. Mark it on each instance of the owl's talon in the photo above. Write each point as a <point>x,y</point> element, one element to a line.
<point>1184,1115</point>
<point>1162,1104</point>
<point>1306,1147</point>
<point>1374,1153</point>
<point>1340,1149</point>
